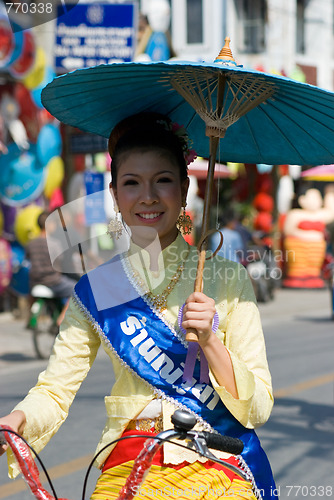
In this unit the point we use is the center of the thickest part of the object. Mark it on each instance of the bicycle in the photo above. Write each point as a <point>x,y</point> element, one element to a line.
<point>199,441</point>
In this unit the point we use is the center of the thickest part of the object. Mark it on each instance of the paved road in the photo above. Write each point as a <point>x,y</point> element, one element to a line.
<point>298,437</point>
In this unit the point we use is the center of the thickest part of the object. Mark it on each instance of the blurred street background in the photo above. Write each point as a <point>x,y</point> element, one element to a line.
<point>47,165</point>
<point>298,437</point>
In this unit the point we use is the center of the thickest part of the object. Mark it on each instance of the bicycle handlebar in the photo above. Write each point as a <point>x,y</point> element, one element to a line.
<point>223,443</point>
<point>183,422</point>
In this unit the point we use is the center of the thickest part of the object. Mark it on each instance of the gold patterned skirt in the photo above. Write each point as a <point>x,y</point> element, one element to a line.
<point>205,481</point>
<point>193,481</point>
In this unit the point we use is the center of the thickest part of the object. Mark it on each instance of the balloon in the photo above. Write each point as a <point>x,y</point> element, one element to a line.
<point>54,175</point>
<point>28,111</point>
<point>9,216</point>
<point>22,178</point>
<point>5,264</point>
<point>37,91</point>
<point>37,73</point>
<point>1,221</point>
<point>56,200</point>
<point>49,143</point>
<point>24,64</point>
<point>17,50</point>
<point>7,42</point>
<point>20,267</point>
<point>26,227</point>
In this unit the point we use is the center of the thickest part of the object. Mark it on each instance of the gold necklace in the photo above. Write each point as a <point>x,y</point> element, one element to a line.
<point>160,300</point>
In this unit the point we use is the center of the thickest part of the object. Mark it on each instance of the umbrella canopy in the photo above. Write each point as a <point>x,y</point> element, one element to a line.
<point>267,118</point>
<point>199,169</point>
<point>320,173</point>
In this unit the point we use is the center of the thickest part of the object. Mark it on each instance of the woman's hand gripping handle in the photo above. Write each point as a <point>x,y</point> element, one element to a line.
<point>192,334</point>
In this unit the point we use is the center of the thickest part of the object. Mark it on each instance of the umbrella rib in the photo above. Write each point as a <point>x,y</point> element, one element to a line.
<point>235,98</point>
<point>209,92</point>
<point>182,89</point>
<point>314,108</point>
<point>303,128</point>
<point>247,100</point>
<point>254,102</point>
<point>96,97</point>
<point>250,130</point>
<point>199,89</point>
<point>283,133</point>
<point>183,85</point>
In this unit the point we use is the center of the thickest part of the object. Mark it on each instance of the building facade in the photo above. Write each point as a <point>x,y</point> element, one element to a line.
<point>279,36</point>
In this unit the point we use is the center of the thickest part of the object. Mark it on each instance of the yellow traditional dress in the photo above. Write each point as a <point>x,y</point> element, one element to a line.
<point>47,404</point>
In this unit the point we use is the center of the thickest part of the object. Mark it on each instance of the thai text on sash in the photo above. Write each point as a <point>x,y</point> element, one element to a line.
<point>162,363</point>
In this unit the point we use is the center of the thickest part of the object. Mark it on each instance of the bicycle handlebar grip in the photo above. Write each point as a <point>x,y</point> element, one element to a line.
<point>223,443</point>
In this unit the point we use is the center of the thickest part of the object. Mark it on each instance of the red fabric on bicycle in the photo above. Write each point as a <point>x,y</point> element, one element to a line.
<point>27,465</point>
<point>129,449</point>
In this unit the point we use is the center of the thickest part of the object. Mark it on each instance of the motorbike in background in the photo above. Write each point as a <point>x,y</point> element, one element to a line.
<point>263,271</point>
<point>44,312</point>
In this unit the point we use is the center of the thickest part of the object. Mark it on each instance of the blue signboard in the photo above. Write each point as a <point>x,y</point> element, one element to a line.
<point>94,200</point>
<point>95,33</point>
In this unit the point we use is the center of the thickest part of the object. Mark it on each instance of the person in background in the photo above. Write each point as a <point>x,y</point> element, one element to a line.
<point>246,236</point>
<point>233,247</point>
<point>42,271</point>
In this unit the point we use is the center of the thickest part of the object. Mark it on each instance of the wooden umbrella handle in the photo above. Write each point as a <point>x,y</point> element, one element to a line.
<point>214,134</point>
<point>191,334</point>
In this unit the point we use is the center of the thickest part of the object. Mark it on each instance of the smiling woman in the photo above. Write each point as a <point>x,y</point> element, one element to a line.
<point>149,180</point>
<point>139,306</point>
<point>149,194</point>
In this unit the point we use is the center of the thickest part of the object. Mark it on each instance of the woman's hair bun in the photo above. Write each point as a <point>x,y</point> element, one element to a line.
<point>139,121</point>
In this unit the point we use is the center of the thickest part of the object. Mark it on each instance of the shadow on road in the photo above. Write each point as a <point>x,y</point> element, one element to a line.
<point>299,433</point>
<point>18,357</point>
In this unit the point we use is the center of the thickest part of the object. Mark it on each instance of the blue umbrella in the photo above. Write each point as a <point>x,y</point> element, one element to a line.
<point>261,118</point>
<point>268,119</point>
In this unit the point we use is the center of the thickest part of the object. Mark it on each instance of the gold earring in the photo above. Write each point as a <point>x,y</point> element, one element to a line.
<point>115,226</point>
<point>184,222</point>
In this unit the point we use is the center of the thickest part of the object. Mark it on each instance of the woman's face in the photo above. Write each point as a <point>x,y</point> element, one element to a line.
<point>149,195</point>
